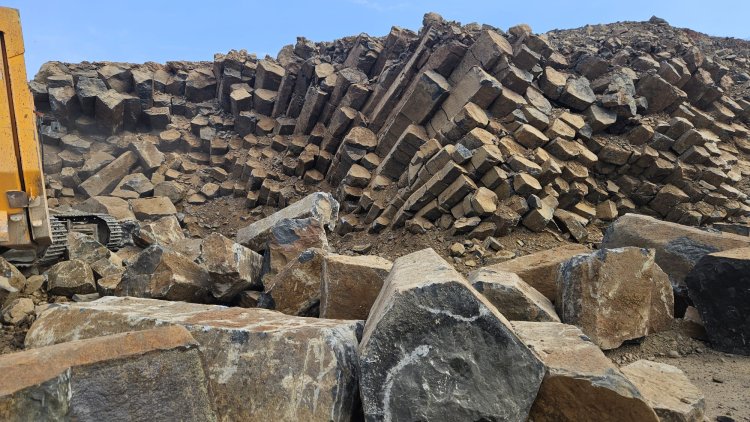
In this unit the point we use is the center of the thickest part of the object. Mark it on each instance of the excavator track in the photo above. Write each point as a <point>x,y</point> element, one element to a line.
<point>102,226</point>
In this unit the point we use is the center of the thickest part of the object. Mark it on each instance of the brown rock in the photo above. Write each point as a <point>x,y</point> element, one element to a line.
<point>580,382</point>
<point>231,267</point>
<point>667,390</point>
<point>312,360</point>
<point>160,371</point>
<point>539,270</point>
<point>296,288</point>
<point>152,208</point>
<point>515,299</point>
<point>614,295</point>
<point>351,284</point>
<point>67,278</point>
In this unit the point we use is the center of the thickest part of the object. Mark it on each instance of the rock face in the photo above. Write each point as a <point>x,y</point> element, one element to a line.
<point>515,299</point>
<point>719,285</point>
<point>162,273</point>
<point>580,383</point>
<point>678,248</point>
<point>160,369</point>
<point>667,390</point>
<point>427,327</point>
<point>231,267</point>
<point>351,284</point>
<point>310,360</point>
<point>539,270</point>
<point>319,205</point>
<point>614,295</point>
<point>296,288</point>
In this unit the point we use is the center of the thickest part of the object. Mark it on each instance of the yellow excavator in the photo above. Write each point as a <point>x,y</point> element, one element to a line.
<point>28,233</point>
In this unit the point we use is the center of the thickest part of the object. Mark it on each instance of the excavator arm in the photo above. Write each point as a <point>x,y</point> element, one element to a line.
<point>28,234</point>
<point>24,216</point>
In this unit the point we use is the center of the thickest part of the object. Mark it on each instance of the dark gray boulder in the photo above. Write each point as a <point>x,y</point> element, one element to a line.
<point>719,285</point>
<point>435,349</point>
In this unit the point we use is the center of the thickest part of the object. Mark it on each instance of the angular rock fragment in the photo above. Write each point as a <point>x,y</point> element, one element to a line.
<point>152,208</point>
<point>67,278</point>
<point>580,383</point>
<point>539,270</point>
<point>320,205</point>
<point>231,267</point>
<point>350,285</point>
<point>311,360</point>
<point>11,281</point>
<point>614,295</point>
<point>678,247</point>
<point>160,370</point>
<point>719,286</point>
<point>428,324</point>
<point>667,390</point>
<point>296,288</point>
<point>289,238</point>
<point>162,273</point>
<point>515,299</point>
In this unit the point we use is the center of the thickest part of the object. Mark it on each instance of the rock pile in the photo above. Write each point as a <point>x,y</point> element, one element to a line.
<point>467,128</point>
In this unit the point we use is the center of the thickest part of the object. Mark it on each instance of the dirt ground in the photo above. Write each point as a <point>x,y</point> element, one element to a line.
<point>723,378</point>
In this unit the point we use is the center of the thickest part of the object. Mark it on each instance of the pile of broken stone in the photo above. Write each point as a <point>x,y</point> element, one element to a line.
<point>465,129</point>
<point>360,335</point>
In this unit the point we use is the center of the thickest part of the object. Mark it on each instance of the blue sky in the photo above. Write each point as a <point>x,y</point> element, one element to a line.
<point>158,30</point>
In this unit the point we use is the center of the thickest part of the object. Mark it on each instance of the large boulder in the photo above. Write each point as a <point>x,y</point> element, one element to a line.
<point>319,205</point>
<point>231,267</point>
<point>289,238</point>
<point>154,374</point>
<point>152,208</point>
<point>164,231</point>
<point>515,299</point>
<point>539,270</point>
<point>103,181</point>
<point>719,286</point>
<point>435,349</point>
<point>351,284</point>
<point>161,273</point>
<point>295,290</point>
<point>678,248</point>
<point>581,384</point>
<point>118,208</point>
<point>67,278</point>
<point>614,295</point>
<point>667,390</point>
<point>261,365</point>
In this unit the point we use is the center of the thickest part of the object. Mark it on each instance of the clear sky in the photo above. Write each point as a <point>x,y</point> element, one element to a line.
<point>160,30</point>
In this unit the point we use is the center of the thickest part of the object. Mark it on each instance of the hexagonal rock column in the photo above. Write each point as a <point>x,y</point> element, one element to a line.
<point>614,295</point>
<point>667,390</point>
<point>719,285</point>
<point>153,374</point>
<point>435,349</point>
<point>262,365</point>
<point>581,384</point>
